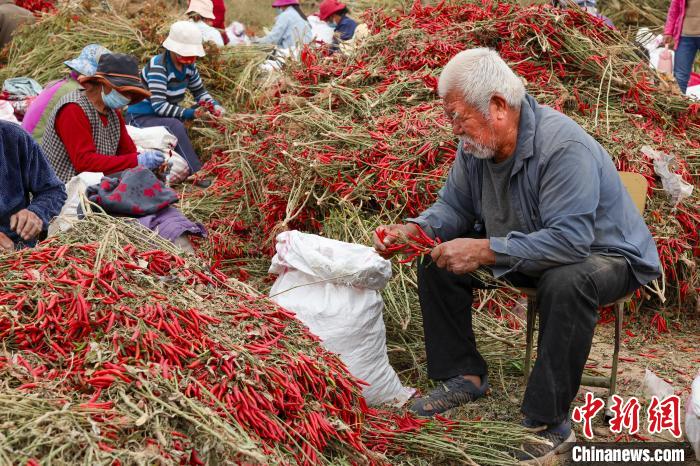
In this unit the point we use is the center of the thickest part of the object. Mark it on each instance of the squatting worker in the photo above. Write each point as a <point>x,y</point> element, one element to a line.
<point>86,131</point>
<point>30,193</point>
<point>291,26</point>
<point>169,76</point>
<point>538,200</point>
<point>336,15</point>
<point>201,13</point>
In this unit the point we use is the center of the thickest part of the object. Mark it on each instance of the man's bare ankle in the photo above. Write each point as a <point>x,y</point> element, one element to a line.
<point>475,379</point>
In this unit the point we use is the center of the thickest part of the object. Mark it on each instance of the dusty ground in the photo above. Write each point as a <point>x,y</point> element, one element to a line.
<point>674,356</point>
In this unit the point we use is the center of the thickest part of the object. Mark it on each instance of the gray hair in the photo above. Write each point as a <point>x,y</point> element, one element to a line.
<point>479,74</point>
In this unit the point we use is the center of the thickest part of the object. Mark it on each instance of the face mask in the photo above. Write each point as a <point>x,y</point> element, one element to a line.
<point>278,11</point>
<point>114,99</point>
<point>331,24</point>
<point>186,60</point>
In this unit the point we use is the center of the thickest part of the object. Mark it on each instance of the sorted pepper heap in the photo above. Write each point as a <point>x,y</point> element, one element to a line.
<point>105,358</point>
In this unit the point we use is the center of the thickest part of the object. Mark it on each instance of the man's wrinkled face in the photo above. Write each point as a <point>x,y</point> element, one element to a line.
<point>476,132</point>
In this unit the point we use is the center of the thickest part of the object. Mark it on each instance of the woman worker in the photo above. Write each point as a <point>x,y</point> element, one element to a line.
<point>291,26</point>
<point>201,13</point>
<point>86,132</point>
<point>336,15</point>
<point>39,110</point>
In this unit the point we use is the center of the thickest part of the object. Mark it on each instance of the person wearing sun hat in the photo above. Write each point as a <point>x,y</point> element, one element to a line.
<point>39,110</point>
<point>201,13</point>
<point>291,27</point>
<point>169,76</point>
<point>336,15</point>
<point>86,131</point>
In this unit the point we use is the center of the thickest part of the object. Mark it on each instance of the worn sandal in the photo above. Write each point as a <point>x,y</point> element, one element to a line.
<point>451,394</point>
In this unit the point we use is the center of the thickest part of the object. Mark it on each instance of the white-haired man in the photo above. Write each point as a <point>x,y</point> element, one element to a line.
<point>538,200</point>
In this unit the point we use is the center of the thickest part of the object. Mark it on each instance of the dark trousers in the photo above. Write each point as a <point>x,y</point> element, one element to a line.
<point>568,298</point>
<point>175,126</point>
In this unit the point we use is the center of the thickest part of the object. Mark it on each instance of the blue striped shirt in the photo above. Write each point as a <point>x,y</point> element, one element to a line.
<point>168,86</point>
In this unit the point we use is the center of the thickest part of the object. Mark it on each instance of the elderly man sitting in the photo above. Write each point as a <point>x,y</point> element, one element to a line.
<point>538,200</point>
<point>30,193</point>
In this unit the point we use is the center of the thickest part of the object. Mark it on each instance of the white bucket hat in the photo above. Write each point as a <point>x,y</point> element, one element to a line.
<point>204,8</point>
<point>185,39</point>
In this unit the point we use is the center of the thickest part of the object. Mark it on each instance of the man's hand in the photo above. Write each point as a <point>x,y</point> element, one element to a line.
<point>26,224</point>
<point>463,255</point>
<point>393,233</point>
<point>6,244</point>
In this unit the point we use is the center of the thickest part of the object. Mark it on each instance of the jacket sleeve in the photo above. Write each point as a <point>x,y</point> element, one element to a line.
<point>452,215</point>
<point>196,87</point>
<point>278,30</point>
<point>568,197</point>
<point>73,127</point>
<point>674,10</point>
<point>48,192</point>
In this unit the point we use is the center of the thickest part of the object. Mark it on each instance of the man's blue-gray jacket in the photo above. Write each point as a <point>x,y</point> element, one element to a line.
<point>567,193</point>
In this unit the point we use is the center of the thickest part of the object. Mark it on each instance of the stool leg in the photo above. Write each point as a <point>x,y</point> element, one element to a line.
<point>619,315</point>
<point>530,333</point>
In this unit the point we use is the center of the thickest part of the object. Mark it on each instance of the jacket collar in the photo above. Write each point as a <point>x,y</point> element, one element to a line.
<point>524,148</point>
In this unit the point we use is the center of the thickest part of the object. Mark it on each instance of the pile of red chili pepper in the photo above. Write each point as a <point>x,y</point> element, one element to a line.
<point>366,133</point>
<point>97,329</point>
<point>153,356</point>
<point>39,6</point>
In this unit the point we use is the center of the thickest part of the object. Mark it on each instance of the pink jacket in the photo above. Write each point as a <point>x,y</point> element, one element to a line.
<point>674,20</point>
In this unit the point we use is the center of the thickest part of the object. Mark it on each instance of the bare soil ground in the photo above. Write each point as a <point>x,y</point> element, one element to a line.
<point>673,356</point>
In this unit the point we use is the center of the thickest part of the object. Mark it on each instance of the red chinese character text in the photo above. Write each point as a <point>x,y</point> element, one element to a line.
<point>665,415</point>
<point>587,412</point>
<point>625,415</point>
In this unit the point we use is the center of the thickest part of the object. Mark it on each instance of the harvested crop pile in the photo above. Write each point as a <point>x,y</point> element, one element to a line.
<point>126,353</point>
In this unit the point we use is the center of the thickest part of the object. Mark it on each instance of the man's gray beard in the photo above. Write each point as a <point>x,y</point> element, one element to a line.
<point>480,151</point>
